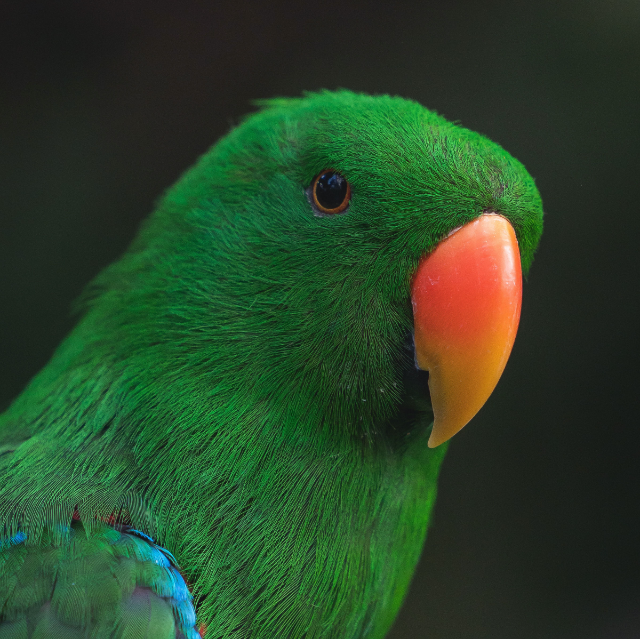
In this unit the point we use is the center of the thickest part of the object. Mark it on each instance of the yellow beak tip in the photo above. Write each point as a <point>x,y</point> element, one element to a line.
<point>441,435</point>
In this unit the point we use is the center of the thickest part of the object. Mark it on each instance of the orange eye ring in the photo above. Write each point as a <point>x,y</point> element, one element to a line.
<point>331,192</point>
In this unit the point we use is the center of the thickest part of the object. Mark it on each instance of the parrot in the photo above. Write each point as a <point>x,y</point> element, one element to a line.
<point>242,435</point>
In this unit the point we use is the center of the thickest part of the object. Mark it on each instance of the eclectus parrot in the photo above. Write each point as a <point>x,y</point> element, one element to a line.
<point>242,435</point>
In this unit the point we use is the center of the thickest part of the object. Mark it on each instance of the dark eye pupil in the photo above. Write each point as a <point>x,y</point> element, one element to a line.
<point>331,190</point>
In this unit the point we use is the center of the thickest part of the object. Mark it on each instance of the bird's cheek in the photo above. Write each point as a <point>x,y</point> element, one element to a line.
<point>466,297</point>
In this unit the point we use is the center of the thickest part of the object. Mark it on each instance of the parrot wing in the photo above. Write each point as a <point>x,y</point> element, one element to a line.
<point>114,583</point>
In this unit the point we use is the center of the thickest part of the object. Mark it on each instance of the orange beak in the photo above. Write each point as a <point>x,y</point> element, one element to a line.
<point>466,297</point>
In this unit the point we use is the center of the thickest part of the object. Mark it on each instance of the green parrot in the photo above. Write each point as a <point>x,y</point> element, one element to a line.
<point>248,421</point>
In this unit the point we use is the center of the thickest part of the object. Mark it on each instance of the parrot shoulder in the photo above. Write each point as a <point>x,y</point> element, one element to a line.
<point>113,583</point>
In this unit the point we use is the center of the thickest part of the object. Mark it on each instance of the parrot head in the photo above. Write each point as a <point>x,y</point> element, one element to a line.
<point>341,260</point>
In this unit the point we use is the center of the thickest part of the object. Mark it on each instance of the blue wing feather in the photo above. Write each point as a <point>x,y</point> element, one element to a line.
<point>115,583</point>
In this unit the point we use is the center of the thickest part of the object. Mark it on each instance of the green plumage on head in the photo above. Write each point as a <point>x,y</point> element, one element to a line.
<point>237,384</point>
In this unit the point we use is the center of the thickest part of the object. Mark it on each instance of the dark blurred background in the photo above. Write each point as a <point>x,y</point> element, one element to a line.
<point>104,104</point>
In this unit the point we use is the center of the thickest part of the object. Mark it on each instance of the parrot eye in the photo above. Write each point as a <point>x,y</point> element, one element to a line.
<point>330,192</point>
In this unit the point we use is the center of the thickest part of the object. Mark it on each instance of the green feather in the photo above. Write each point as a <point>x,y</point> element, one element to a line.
<point>235,381</point>
<point>107,583</point>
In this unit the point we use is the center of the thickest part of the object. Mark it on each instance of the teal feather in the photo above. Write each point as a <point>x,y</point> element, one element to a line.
<point>234,386</point>
<point>112,584</point>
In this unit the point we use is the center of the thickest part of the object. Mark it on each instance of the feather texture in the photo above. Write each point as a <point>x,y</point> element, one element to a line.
<point>112,584</point>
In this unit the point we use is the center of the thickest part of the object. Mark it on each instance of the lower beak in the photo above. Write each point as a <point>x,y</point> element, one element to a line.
<point>466,297</point>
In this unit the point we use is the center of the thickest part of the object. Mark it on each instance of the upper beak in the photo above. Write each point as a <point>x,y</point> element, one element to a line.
<point>466,297</point>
